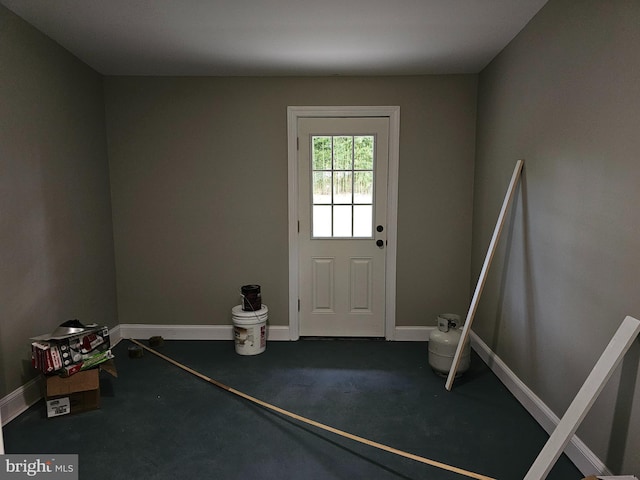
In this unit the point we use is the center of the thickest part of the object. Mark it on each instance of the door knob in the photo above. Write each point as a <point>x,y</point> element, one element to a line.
<point>380,243</point>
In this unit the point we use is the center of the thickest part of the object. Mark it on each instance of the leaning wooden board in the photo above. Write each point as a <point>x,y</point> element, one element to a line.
<point>593,385</point>
<point>483,274</point>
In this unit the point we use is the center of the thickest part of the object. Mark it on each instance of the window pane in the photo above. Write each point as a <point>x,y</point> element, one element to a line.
<point>322,187</point>
<point>363,146</point>
<point>363,187</point>
<point>343,153</point>
<point>342,187</point>
<point>322,220</point>
<point>362,221</point>
<point>342,221</point>
<point>321,154</point>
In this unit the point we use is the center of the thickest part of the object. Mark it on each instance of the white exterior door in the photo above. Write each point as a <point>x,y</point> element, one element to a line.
<point>342,208</point>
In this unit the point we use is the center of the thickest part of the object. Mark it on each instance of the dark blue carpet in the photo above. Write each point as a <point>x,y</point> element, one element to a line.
<point>159,422</point>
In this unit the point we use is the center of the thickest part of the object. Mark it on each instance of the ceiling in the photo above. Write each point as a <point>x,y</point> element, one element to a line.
<point>280,37</point>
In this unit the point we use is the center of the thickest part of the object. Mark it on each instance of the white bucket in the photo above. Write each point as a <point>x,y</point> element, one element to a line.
<point>250,330</point>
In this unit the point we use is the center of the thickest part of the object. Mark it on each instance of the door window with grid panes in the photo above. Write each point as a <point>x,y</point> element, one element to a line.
<point>342,181</point>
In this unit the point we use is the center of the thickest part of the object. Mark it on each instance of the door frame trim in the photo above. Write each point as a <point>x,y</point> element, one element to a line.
<point>391,112</point>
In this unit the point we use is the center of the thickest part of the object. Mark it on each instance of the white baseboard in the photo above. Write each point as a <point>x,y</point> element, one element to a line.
<point>412,334</point>
<point>20,400</point>
<point>114,335</point>
<point>584,459</point>
<point>177,332</point>
<point>193,332</point>
<point>278,333</point>
<point>225,332</point>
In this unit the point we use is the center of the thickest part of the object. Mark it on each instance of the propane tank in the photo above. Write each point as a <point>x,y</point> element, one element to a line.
<point>443,343</point>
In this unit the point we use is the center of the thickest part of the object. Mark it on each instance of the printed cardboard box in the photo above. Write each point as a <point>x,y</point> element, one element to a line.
<point>51,353</point>
<point>75,394</point>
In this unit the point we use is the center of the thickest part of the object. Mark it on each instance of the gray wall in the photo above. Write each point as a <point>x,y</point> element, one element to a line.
<point>199,190</point>
<point>56,241</point>
<point>565,96</point>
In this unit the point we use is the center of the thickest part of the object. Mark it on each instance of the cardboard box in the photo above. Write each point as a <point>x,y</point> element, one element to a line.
<point>77,393</point>
<point>86,364</point>
<point>51,353</point>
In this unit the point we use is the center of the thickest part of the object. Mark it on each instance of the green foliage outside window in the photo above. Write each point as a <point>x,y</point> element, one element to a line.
<point>343,154</point>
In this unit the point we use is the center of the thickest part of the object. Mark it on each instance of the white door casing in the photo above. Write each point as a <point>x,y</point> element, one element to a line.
<point>358,269</point>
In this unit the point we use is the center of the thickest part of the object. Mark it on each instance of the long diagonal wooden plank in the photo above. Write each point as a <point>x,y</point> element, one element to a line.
<point>483,274</point>
<point>583,401</point>
<point>322,426</point>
